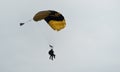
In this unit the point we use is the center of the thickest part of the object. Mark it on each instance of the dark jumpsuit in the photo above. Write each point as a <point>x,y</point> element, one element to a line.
<point>51,53</point>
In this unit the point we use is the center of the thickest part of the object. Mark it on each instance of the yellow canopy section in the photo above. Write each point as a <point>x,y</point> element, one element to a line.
<point>57,25</point>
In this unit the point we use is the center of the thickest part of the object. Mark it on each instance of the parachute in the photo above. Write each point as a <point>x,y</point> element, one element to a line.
<point>54,19</point>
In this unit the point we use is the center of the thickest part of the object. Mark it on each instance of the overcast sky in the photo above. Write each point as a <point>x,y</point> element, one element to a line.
<point>89,43</point>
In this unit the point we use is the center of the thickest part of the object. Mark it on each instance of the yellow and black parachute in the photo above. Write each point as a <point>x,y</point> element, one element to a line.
<point>55,20</point>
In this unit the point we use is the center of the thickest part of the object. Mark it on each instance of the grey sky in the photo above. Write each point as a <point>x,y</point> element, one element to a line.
<point>89,43</point>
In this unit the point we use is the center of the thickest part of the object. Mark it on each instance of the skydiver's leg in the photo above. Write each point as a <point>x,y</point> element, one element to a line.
<point>54,56</point>
<point>50,57</point>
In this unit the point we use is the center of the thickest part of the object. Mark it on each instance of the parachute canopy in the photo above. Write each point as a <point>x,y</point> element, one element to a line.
<point>55,20</point>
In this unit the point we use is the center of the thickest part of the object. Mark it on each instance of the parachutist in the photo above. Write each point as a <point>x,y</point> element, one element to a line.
<point>22,24</point>
<point>51,53</point>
